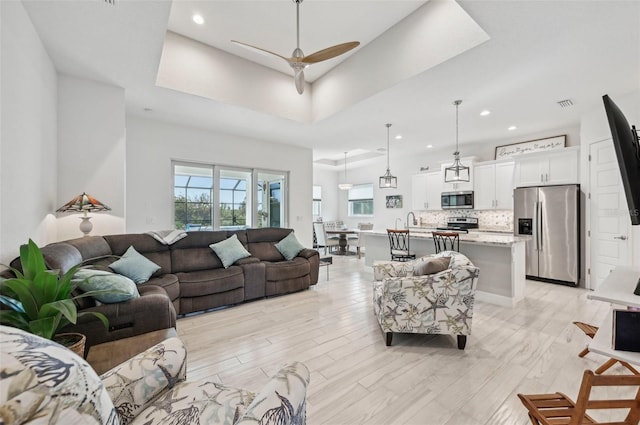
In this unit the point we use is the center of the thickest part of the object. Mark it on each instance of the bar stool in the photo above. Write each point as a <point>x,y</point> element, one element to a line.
<point>399,245</point>
<point>446,241</point>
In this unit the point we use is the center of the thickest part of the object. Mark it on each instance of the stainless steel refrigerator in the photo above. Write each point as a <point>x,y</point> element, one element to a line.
<point>551,216</point>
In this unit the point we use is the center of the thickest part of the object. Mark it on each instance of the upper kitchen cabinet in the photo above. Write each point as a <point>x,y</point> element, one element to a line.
<point>547,168</point>
<point>493,185</point>
<point>425,191</point>
<point>456,187</point>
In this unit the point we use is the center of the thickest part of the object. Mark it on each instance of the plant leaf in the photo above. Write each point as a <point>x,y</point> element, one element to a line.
<point>31,259</point>
<point>45,327</point>
<point>22,289</point>
<point>15,319</point>
<point>100,316</point>
<point>64,307</point>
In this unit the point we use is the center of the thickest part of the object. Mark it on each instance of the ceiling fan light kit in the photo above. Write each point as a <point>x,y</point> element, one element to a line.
<point>298,61</point>
<point>456,172</point>
<point>388,181</point>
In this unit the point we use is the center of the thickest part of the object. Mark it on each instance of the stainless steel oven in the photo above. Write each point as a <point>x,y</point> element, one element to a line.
<point>457,200</point>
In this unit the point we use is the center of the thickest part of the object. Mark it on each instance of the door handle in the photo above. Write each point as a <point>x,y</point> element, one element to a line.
<point>621,237</point>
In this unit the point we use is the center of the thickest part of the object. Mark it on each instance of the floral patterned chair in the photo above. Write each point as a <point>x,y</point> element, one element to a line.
<point>438,303</point>
<point>44,383</point>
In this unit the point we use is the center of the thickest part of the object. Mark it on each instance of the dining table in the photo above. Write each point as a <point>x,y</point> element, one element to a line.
<point>343,235</point>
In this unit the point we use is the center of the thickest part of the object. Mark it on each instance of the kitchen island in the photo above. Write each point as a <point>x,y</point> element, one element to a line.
<point>499,256</point>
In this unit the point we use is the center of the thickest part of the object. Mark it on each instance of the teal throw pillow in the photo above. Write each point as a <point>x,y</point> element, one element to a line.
<point>135,266</point>
<point>229,250</point>
<point>117,287</point>
<point>289,247</point>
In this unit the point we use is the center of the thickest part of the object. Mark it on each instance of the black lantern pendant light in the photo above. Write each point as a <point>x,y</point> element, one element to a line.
<point>456,172</point>
<point>388,181</point>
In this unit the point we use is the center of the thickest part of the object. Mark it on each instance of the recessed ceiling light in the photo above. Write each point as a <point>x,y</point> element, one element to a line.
<point>485,113</point>
<point>513,127</point>
<point>399,136</point>
<point>198,19</point>
<point>429,146</point>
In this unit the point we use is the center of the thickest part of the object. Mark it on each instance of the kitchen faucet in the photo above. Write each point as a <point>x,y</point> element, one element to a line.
<point>415,222</point>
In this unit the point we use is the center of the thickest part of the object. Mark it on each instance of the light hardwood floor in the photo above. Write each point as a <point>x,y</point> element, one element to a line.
<point>421,379</point>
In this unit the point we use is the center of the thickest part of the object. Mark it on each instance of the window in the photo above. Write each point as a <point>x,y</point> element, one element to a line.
<point>361,200</point>
<point>317,201</point>
<point>208,197</point>
<point>192,196</point>
<point>234,204</point>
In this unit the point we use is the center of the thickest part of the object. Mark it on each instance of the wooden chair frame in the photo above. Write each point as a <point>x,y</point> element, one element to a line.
<point>399,245</point>
<point>590,331</point>
<point>558,409</point>
<point>446,241</point>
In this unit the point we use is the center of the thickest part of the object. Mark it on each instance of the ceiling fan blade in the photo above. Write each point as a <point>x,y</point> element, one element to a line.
<point>258,49</point>
<point>298,78</point>
<point>330,52</point>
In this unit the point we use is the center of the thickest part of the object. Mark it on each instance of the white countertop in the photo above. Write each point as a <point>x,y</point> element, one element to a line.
<point>482,238</point>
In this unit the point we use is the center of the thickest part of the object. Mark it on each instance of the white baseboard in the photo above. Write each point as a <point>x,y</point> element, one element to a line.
<point>500,300</point>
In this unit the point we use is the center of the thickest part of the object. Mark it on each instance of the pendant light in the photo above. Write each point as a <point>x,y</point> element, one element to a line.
<point>345,186</point>
<point>456,172</point>
<point>388,181</point>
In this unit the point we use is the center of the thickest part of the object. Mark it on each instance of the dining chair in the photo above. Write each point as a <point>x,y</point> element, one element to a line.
<point>399,245</point>
<point>558,409</point>
<point>321,236</point>
<point>446,241</point>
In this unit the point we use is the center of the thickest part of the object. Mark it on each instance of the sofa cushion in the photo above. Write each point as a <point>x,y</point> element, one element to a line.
<point>229,250</point>
<point>289,269</point>
<point>193,253</point>
<point>205,282</point>
<point>261,242</point>
<point>430,265</point>
<point>122,287</point>
<point>289,247</point>
<point>169,282</point>
<point>145,245</point>
<point>135,266</point>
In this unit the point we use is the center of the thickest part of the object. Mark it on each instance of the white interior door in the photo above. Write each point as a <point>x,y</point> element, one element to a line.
<point>610,224</point>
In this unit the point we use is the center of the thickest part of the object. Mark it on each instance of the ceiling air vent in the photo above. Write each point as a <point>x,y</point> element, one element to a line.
<point>565,103</point>
<point>110,2</point>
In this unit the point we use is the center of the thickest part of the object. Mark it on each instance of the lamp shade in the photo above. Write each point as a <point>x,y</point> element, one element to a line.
<point>83,203</point>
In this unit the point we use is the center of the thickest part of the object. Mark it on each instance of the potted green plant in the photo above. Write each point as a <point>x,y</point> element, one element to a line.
<point>40,300</point>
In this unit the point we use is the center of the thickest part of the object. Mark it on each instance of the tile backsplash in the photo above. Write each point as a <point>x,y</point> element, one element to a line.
<point>487,220</point>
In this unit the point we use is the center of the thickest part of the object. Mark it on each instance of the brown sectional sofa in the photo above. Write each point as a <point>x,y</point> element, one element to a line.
<point>191,277</point>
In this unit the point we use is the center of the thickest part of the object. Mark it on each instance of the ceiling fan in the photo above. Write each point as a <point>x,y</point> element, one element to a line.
<point>298,61</point>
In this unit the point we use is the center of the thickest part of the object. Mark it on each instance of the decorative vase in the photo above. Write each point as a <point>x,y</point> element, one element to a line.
<point>73,341</point>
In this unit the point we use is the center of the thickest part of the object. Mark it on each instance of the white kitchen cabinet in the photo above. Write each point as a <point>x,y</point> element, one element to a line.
<point>425,191</point>
<point>493,186</point>
<point>547,168</point>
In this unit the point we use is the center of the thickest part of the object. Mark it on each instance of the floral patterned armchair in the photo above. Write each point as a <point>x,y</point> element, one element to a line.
<point>440,303</point>
<point>42,383</point>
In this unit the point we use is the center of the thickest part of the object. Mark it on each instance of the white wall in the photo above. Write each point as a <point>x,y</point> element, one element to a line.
<point>594,128</point>
<point>328,180</point>
<point>152,145</point>
<point>27,134</point>
<point>91,153</point>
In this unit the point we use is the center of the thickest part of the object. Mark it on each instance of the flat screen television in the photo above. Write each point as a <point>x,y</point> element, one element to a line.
<point>627,146</point>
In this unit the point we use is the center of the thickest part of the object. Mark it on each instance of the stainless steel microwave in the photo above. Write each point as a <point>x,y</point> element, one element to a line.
<point>457,200</point>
